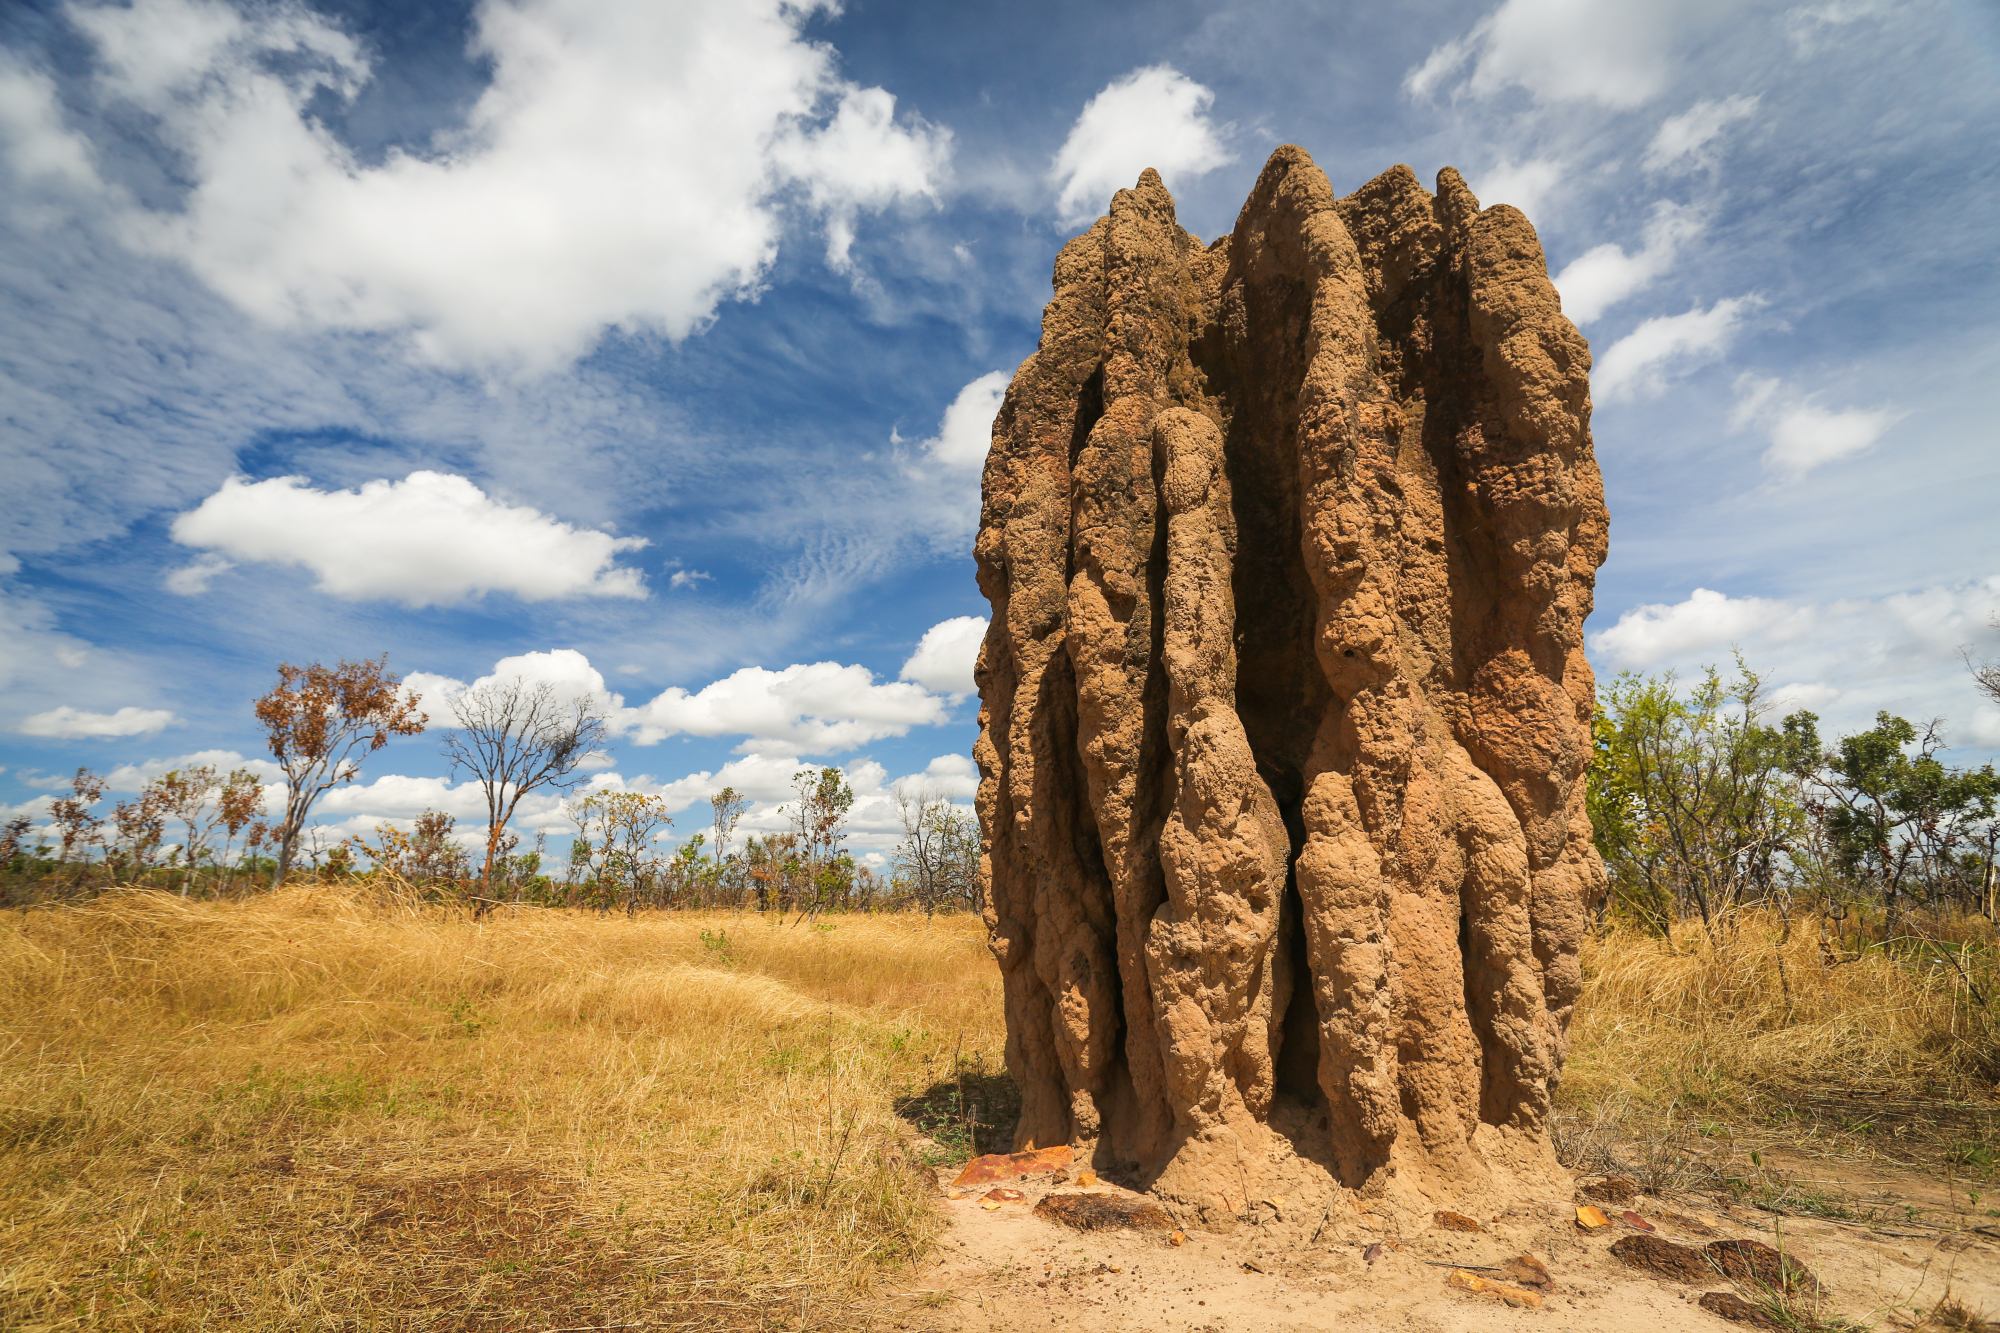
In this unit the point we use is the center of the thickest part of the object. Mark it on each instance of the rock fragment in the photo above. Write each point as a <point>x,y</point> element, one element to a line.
<point>1758,1265</point>
<point>1663,1258</point>
<point>1098,1212</point>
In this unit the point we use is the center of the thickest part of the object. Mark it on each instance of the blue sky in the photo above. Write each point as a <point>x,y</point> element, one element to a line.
<point>652,347</point>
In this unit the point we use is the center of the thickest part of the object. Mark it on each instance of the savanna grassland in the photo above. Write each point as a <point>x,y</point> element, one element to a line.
<point>318,1109</point>
<point>314,1110</point>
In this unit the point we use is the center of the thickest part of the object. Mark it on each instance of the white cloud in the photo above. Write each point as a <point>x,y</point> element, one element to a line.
<point>69,723</point>
<point>1809,25</point>
<point>945,656</point>
<point>1684,141</point>
<point>568,670</point>
<point>1153,117</point>
<point>687,578</point>
<point>131,777</point>
<point>966,433</point>
<point>1899,652</point>
<point>1646,635</point>
<point>193,578</point>
<point>1617,55</point>
<point>821,708</point>
<point>1599,278</point>
<point>1637,365</point>
<point>430,539</point>
<point>36,143</point>
<point>1803,434</point>
<point>952,775</point>
<point>31,648</point>
<point>863,159</point>
<point>623,168</point>
<point>1523,184</point>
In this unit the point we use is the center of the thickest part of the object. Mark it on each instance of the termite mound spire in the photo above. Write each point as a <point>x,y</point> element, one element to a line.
<point>1285,714</point>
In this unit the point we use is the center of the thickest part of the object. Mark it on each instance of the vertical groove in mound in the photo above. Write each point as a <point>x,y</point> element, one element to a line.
<point>1289,541</point>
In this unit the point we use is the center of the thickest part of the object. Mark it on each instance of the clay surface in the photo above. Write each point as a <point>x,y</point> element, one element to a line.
<point>1289,540</point>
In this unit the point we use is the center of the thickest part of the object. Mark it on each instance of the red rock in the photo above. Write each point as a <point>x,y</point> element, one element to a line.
<point>1012,1166</point>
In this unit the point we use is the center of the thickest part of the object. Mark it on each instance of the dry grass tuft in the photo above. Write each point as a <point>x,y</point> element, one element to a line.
<point>315,1111</point>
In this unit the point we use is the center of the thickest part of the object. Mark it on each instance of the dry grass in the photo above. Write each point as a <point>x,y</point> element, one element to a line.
<point>314,1111</point>
<point>311,1111</point>
<point>1868,1053</point>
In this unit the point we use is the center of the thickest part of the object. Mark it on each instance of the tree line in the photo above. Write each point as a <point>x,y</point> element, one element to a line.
<point>198,832</point>
<point>1702,803</point>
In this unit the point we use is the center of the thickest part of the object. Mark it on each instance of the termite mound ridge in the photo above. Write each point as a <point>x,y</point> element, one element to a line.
<point>1289,540</point>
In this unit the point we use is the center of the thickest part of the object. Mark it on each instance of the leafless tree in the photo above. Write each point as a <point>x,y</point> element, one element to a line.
<point>939,853</point>
<point>516,736</point>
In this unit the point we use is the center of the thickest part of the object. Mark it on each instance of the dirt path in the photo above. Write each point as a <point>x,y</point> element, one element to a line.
<point>1004,1270</point>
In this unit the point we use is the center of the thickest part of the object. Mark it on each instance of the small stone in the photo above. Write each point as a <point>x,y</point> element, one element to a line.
<point>1734,1308</point>
<point>1517,1297</point>
<point>1529,1272</point>
<point>1636,1222</point>
<point>1449,1221</point>
<point>1591,1218</point>
<point>1612,1189</point>
<point>1663,1258</point>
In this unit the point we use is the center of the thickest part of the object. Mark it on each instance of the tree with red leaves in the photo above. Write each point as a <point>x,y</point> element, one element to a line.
<point>317,719</point>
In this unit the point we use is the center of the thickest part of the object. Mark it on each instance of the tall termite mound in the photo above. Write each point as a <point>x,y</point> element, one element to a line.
<point>1290,539</point>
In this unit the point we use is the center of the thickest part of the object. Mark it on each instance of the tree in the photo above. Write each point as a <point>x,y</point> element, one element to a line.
<point>75,823</point>
<point>315,721</point>
<point>183,797</point>
<point>516,737</point>
<point>240,806</point>
<point>1900,818</point>
<point>819,821</point>
<point>618,829</point>
<point>939,854</point>
<point>1693,799</point>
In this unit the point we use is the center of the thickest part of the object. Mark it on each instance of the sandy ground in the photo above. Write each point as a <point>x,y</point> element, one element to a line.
<point>1002,1270</point>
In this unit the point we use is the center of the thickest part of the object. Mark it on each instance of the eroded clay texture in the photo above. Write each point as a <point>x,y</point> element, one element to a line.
<point>1290,539</point>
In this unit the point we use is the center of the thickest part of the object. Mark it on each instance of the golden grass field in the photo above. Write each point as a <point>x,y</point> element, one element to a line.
<point>317,1111</point>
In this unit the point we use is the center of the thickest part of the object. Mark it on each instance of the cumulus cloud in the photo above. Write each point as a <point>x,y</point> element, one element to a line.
<point>1899,652</point>
<point>1649,634</point>
<point>1153,117</point>
<point>946,655</point>
<point>1685,141</point>
<point>1638,365</point>
<point>70,723</point>
<point>1600,278</point>
<point>568,670</point>
<point>966,433</point>
<point>624,167</point>
<point>131,777</point>
<point>1523,184</point>
<point>816,708</point>
<point>1803,434</point>
<point>431,539</point>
